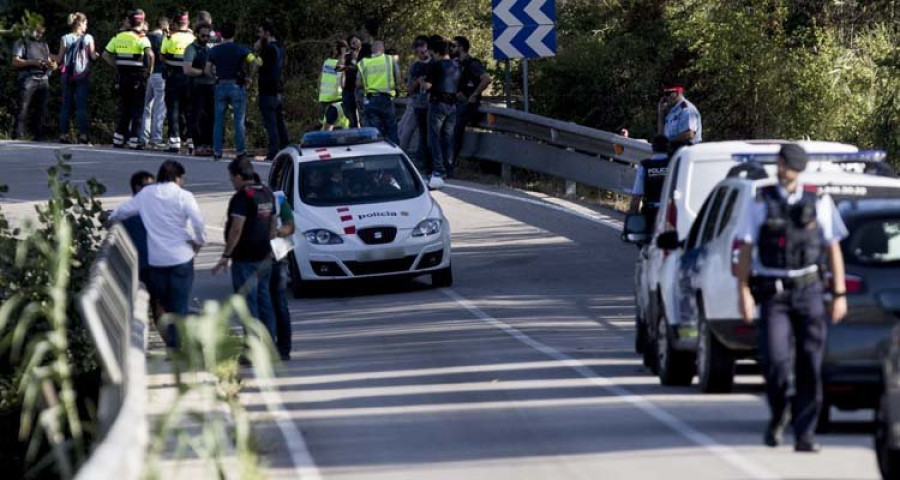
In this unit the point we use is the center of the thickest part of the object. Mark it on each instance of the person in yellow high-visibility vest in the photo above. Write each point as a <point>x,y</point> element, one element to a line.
<point>331,84</point>
<point>178,85</point>
<point>378,75</point>
<point>130,52</point>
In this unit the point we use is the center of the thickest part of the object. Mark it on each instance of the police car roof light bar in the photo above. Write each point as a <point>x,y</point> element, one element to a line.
<point>839,157</point>
<point>340,138</point>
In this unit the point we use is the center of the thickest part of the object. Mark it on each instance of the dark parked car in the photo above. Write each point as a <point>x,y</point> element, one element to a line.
<point>887,419</point>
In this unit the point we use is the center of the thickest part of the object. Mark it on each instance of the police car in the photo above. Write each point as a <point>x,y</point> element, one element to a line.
<point>361,210</point>
<point>706,301</point>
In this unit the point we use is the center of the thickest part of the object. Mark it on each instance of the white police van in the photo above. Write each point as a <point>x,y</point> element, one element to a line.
<point>361,210</point>
<point>707,292</point>
<point>693,172</point>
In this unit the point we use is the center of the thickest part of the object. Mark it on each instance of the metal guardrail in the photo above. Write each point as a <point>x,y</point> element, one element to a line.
<point>563,149</point>
<point>115,309</point>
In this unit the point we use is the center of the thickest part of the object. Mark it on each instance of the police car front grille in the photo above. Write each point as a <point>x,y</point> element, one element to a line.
<point>382,266</point>
<point>377,235</point>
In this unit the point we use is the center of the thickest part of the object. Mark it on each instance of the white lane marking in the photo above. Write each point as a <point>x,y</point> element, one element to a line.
<point>726,453</point>
<point>304,466</point>
<point>596,217</point>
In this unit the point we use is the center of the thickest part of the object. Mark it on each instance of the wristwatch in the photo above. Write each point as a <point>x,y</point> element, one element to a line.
<point>839,294</point>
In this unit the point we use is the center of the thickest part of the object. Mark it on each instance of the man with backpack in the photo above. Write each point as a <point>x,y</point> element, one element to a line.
<point>31,57</point>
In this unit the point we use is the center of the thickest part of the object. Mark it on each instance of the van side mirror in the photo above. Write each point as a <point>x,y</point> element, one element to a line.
<point>636,229</point>
<point>669,240</point>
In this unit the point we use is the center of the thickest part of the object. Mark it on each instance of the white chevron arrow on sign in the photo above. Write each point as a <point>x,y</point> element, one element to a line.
<point>533,9</point>
<point>536,40</point>
<point>504,42</point>
<point>502,11</point>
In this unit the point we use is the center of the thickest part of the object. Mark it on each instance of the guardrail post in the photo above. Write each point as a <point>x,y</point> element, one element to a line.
<point>571,189</point>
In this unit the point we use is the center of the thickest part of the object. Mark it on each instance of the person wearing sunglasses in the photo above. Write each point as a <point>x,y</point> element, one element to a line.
<point>203,91</point>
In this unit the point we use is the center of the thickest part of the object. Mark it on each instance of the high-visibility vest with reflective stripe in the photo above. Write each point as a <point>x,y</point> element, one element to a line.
<point>378,74</point>
<point>128,48</point>
<point>342,120</point>
<point>173,49</point>
<point>330,82</point>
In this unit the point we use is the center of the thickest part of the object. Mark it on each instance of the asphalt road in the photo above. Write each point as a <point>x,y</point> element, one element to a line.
<point>523,370</point>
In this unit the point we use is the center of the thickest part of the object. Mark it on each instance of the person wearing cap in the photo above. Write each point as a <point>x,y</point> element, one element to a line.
<point>677,118</point>
<point>178,84</point>
<point>787,232</point>
<point>648,184</point>
<point>132,55</point>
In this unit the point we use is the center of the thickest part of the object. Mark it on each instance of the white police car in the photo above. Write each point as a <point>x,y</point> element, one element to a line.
<point>361,210</point>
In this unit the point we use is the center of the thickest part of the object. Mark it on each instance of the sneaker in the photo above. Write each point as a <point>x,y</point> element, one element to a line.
<point>216,158</point>
<point>161,147</point>
<point>83,140</point>
<point>436,181</point>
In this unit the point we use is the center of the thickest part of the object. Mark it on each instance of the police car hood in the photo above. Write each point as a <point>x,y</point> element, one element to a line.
<point>402,214</point>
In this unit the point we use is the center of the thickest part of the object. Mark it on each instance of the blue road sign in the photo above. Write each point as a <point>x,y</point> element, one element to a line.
<point>524,28</point>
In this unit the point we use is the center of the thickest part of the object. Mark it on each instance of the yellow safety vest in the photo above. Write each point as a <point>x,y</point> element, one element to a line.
<point>173,48</point>
<point>330,82</point>
<point>128,48</point>
<point>377,75</point>
<point>342,120</point>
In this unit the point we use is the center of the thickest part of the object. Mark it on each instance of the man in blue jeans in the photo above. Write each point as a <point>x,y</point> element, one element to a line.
<point>248,230</point>
<point>271,87</point>
<point>229,62</point>
<point>442,84</point>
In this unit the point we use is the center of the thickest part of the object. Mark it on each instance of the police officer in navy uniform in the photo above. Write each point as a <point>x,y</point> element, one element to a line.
<point>649,181</point>
<point>790,231</point>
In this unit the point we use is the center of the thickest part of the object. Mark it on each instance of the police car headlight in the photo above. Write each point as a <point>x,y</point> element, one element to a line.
<point>429,226</point>
<point>322,237</point>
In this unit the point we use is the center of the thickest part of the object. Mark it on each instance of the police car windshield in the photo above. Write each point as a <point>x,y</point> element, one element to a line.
<point>358,180</point>
<point>875,242</point>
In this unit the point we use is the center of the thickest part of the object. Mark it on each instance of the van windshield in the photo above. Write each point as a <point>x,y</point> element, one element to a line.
<point>358,180</point>
<point>701,180</point>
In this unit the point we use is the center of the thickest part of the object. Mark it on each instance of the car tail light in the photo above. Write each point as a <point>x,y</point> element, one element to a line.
<point>854,284</point>
<point>672,214</point>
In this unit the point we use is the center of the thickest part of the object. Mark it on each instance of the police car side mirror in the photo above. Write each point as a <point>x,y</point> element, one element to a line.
<point>668,240</point>
<point>636,229</point>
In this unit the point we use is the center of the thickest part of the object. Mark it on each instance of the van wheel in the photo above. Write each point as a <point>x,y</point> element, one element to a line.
<point>824,423</point>
<point>442,278</point>
<point>649,353</point>
<point>888,458</point>
<point>674,368</point>
<point>715,363</point>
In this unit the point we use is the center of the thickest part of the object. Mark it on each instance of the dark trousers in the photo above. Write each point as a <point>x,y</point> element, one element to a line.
<point>380,114</point>
<point>74,97</point>
<point>466,114</point>
<point>424,153</point>
<point>132,87</point>
<point>351,109</point>
<point>252,280</point>
<point>178,101</point>
<point>441,121</point>
<point>792,341</point>
<point>202,116</point>
<point>272,110</point>
<point>278,289</point>
<point>33,93</point>
<point>171,287</point>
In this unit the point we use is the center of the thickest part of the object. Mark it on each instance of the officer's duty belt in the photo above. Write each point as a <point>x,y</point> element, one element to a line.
<point>767,286</point>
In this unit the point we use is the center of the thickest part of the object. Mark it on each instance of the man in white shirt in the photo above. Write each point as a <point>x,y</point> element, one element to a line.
<point>175,232</point>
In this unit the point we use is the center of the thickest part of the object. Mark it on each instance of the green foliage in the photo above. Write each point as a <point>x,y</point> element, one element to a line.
<point>208,347</point>
<point>43,342</point>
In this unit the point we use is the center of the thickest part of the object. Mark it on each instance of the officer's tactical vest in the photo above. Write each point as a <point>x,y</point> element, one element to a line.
<point>128,50</point>
<point>173,51</point>
<point>330,82</point>
<point>655,170</point>
<point>790,238</point>
<point>378,74</point>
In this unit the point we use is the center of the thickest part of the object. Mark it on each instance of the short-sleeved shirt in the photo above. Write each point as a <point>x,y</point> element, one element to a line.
<point>472,70</point>
<point>270,82</point>
<point>443,75</point>
<point>350,73</point>
<point>70,39</point>
<point>196,55</point>
<point>32,50</point>
<point>256,204</point>
<point>827,217</point>
<point>683,117</point>
<point>156,41</point>
<point>130,47</point>
<point>229,60</point>
<point>419,96</point>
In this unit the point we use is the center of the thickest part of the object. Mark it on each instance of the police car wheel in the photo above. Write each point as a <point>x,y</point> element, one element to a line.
<point>715,363</point>
<point>675,368</point>
<point>442,278</point>
<point>888,458</point>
